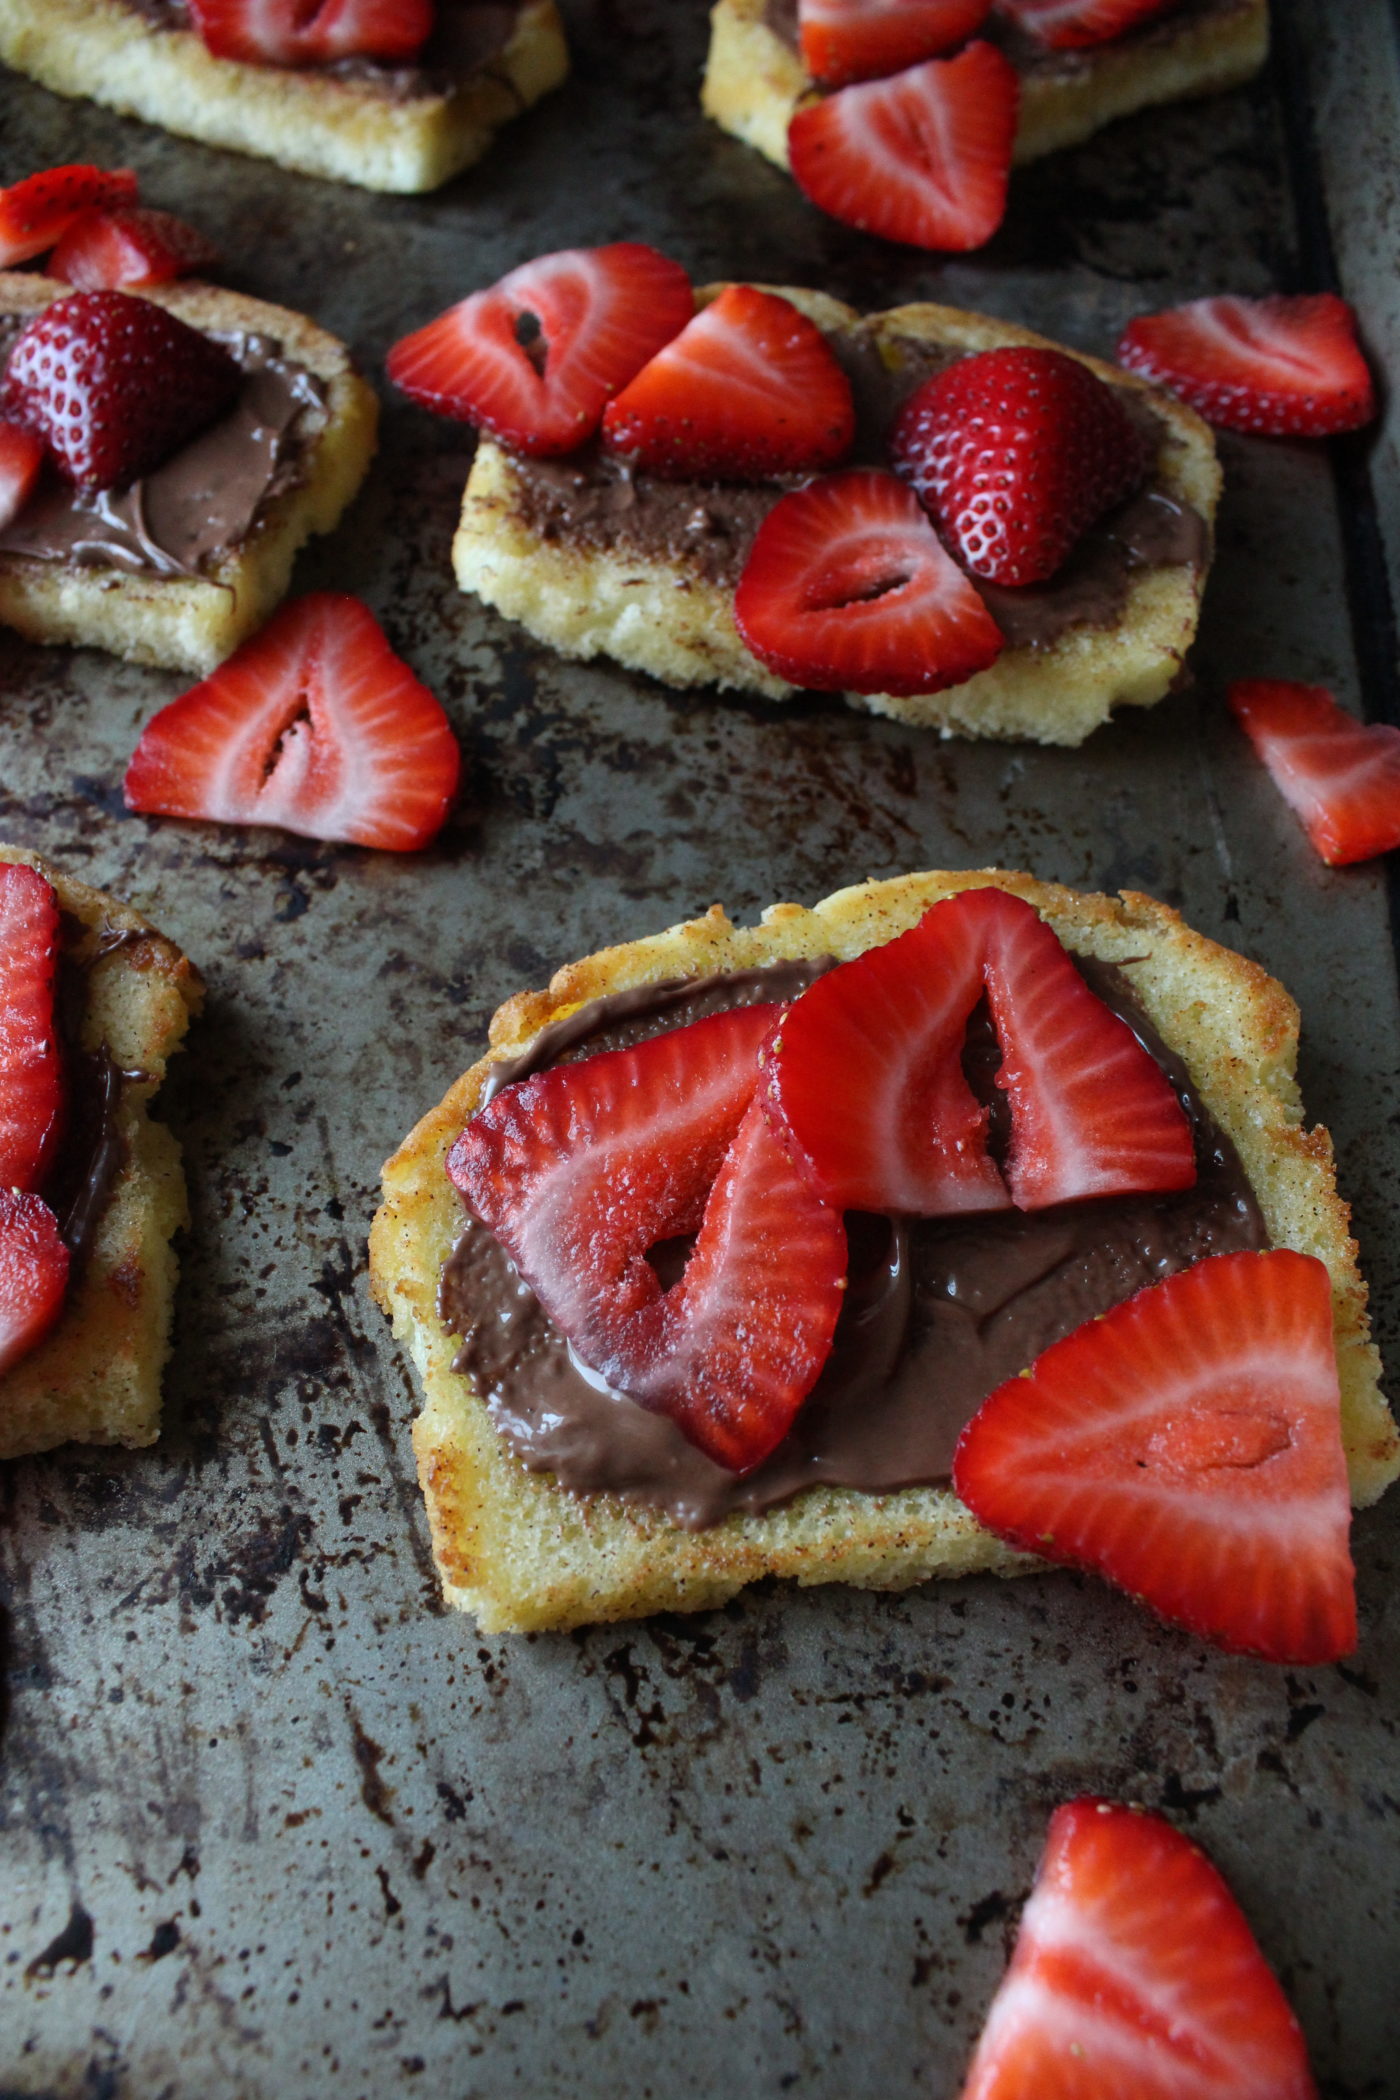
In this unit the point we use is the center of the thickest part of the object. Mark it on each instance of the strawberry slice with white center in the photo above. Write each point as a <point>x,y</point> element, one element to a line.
<point>1284,366</point>
<point>38,211</point>
<point>312,32</point>
<point>314,725</point>
<point>747,389</point>
<point>129,248</point>
<point>1187,1446</point>
<point>536,358</point>
<point>1341,777</point>
<point>31,1063</point>
<point>923,157</point>
<point>846,40</point>
<point>1073,25</point>
<point>582,1170</point>
<point>1135,1973</point>
<point>848,588</point>
<point>33,1273</point>
<point>21,456</point>
<point>865,1076</point>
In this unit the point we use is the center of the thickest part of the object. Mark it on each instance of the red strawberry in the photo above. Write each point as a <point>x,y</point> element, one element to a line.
<point>104,250</point>
<point>114,385</point>
<point>583,1169</point>
<point>1188,1447</point>
<point>535,359</point>
<point>1282,366</point>
<point>847,589</point>
<point>312,32</point>
<point>1340,776</point>
<point>1015,453</point>
<point>31,1065</point>
<point>747,389</point>
<point>314,725</point>
<point>21,456</point>
<point>36,212</point>
<point>33,1273</point>
<point>1069,25</point>
<point>924,157</point>
<point>1135,1973</point>
<point>866,1081</point>
<point>846,40</point>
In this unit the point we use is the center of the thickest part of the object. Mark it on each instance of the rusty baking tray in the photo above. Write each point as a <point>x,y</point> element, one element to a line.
<point>274,1824</point>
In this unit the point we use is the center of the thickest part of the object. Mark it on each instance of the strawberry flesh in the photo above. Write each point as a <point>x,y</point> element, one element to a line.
<point>1187,1446</point>
<point>1280,367</point>
<point>313,32</point>
<point>747,389</point>
<point>21,457</point>
<point>314,725</point>
<point>129,248</point>
<point>33,1273</point>
<point>38,211</point>
<point>846,40</point>
<point>31,1064</point>
<point>1341,777</point>
<point>1074,25</point>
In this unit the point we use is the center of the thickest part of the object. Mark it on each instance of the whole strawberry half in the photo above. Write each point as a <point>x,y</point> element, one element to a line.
<point>846,40</point>
<point>1282,367</point>
<point>315,725</point>
<point>31,1064</point>
<point>129,247</point>
<point>865,1077</point>
<point>535,358</point>
<point>1015,453</point>
<point>33,1273</point>
<point>114,384</point>
<point>34,213</point>
<point>1340,777</point>
<point>1135,1974</point>
<point>1188,1447</point>
<point>748,388</point>
<point>1072,25</point>
<point>582,1170</point>
<point>313,32</point>
<point>21,457</point>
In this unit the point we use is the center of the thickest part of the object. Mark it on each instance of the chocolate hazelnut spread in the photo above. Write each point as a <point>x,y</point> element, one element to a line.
<point>91,1151</point>
<point>1029,55</point>
<point>938,1311</point>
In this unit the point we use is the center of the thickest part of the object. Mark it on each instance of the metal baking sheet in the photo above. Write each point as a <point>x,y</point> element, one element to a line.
<point>274,1824</point>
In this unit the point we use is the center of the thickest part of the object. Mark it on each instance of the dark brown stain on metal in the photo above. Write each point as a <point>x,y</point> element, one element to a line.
<point>73,1944</point>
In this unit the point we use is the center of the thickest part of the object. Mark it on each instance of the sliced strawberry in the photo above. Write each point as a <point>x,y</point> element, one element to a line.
<point>314,725</point>
<point>865,1076</point>
<point>581,1170</point>
<point>312,32</point>
<point>33,1273</point>
<point>21,456</point>
<point>1188,1447</point>
<point>847,589</point>
<point>747,389</point>
<point>1015,453</point>
<point>1340,776</point>
<point>846,40</point>
<point>130,247</point>
<point>924,157</point>
<point>31,1063</point>
<point>115,384</point>
<point>1071,25</point>
<point>38,211</point>
<point>1281,366</point>
<point>1135,1973</point>
<point>535,359</point>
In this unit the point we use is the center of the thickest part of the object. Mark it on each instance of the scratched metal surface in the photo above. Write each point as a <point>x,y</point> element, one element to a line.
<point>276,1826</point>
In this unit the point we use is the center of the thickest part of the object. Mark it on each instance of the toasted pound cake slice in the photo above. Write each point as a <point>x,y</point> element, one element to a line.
<point>522,1552</point>
<point>382,127</point>
<point>128,994</point>
<point>148,600</point>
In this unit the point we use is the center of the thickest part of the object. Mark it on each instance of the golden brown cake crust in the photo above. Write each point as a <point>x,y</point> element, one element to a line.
<point>524,1554</point>
<point>95,1379</point>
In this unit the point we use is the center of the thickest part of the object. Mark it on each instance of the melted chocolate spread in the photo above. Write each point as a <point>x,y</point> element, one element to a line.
<point>938,1311</point>
<point>92,1151</point>
<point>467,37</point>
<point>1029,55</point>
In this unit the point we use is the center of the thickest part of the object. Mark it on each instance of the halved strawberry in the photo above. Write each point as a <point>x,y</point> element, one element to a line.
<point>865,1075</point>
<point>312,32</point>
<point>129,247</point>
<point>1282,366</point>
<point>1340,776</point>
<point>535,358</point>
<point>33,1273</point>
<point>1070,25</point>
<point>1135,1973</point>
<point>924,157</point>
<point>1188,1447</point>
<point>314,725</point>
<point>846,40</point>
<point>747,389</point>
<point>581,1170</point>
<point>1015,453</point>
<point>38,211</point>
<point>21,456</point>
<point>114,384</point>
<point>31,1062</point>
<point>848,589</point>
